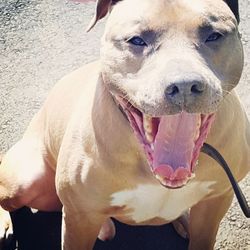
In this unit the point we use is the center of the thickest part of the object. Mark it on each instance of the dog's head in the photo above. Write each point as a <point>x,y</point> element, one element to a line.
<point>168,64</point>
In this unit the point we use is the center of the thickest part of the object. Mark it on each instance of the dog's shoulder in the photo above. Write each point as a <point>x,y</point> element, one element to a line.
<point>70,97</point>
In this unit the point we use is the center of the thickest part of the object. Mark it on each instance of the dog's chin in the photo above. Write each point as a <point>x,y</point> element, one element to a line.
<point>171,143</point>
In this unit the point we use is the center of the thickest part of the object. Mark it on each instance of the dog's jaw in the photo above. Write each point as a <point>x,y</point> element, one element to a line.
<point>171,143</point>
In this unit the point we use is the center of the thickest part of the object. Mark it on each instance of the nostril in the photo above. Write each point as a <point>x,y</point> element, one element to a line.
<point>172,90</point>
<point>197,88</point>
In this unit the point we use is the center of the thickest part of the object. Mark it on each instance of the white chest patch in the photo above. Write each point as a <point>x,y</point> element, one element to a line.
<point>150,201</point>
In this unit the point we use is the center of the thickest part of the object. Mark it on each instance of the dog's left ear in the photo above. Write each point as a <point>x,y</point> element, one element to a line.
<point>234,6</point>
<point>102,8</point>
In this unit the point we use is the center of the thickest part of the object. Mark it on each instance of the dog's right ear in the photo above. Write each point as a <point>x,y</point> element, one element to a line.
<point>102,8</point>
<point>234,6</point>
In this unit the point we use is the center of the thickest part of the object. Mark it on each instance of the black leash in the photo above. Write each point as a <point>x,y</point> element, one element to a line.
<point>213,153</point>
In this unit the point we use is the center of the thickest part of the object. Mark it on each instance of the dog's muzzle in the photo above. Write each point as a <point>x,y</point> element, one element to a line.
<point>171,143</point>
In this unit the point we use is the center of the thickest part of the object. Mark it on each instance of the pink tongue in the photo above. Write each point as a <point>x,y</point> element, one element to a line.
<point>174,145</point>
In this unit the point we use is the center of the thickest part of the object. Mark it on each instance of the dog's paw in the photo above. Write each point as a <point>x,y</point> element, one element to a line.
<point>6,230</point>
<point>107,231</point>
<point>181,225</point>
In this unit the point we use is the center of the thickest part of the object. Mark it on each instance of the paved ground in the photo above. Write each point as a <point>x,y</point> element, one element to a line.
<point>40,41</point>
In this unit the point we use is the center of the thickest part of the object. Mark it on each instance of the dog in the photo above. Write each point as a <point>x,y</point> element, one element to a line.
<point>121,136</point>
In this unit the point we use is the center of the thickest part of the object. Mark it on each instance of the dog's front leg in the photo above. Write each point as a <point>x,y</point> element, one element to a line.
<point>205,219</point>
<point>79,229</point>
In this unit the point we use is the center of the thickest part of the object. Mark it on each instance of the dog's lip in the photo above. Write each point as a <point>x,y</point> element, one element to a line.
<point>171,176</point>
<point>175,183</point>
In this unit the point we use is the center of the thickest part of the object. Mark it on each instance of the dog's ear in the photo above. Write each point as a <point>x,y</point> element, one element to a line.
<point>102,8</point>
<point>234,6</point>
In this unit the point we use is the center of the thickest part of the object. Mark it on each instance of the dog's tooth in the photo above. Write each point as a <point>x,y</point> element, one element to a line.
<point>196,164</point>
<point>198,125</point>
<point>160,178</point>
<point>148,128</point>
<point>147,124</point>
<point>197,134</point>
<point>199,122</point>
<point>149,137</point>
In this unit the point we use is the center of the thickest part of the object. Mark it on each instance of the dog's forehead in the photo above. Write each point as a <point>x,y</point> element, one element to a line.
<point>160,13</point>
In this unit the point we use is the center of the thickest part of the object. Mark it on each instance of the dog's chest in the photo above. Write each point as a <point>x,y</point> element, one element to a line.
<point>147,202</point>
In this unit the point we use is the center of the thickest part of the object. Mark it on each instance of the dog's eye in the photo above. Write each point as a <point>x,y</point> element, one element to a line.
<point>214,37</point>
<point>136,40</point>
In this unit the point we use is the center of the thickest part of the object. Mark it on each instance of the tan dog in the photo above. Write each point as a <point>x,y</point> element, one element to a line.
<point>121,137</point>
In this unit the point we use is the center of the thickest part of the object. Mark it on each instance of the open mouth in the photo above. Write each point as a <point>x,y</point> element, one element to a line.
<point>172,143</point>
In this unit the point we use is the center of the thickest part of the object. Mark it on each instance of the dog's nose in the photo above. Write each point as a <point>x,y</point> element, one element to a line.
<point>179,91</point>
<point>186,88</point>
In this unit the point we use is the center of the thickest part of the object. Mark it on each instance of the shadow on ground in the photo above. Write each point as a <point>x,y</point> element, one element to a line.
<point>41,231</point>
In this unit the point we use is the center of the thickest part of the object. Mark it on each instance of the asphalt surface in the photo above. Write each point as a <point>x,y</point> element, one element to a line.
<point>41,41</point>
